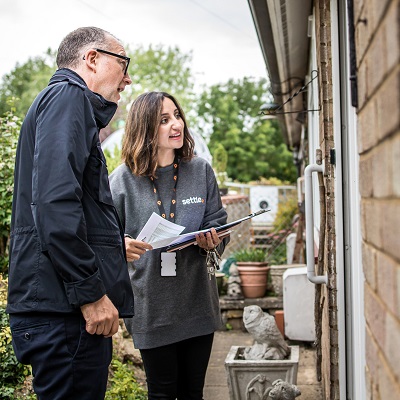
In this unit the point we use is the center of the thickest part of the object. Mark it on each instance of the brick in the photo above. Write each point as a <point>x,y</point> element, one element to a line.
<point>368,385</point>
<point>372,221</point>
<point>386,279</point>
<point>367,132</point>
<point>390,212</point>
<point>358,8</point>
<point>362,84</point>
<point>375,317</point>
<point>398,289</point>
<point>381,167</point>
<point>396,165</point>
<point>362,34</point>
<point>392,28</point>
<point>365,176</point>
<point>388,105</point>
<point>388,387</point>
<point>378,8</point>
<point>369,265</point>
<point>377,60</point>
<point>375,390</point>
<point>392,345</point>
<point>371,354</point>
<point>280,321</point>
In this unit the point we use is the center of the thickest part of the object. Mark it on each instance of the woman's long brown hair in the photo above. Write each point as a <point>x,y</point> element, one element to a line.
<point>140,142</point>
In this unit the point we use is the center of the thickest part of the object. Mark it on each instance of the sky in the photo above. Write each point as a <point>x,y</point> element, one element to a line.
<point>220,33</point>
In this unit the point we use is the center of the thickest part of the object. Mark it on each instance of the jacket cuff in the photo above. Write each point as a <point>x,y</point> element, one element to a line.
<point>85,291</point>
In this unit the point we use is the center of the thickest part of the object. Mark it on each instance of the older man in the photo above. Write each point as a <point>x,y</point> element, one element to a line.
<point>68,280</point>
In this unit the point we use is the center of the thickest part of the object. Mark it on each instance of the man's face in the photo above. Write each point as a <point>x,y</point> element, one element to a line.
<point>110,79</point>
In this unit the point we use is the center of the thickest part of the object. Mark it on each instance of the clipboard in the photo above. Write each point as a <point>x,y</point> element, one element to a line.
<point>222,231</point>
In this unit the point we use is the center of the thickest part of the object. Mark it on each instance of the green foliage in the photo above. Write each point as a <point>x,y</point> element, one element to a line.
<point>250,254</point>
<point>9,131</point>
<point>220,158</point>
<point>25,81</point>
<point>255,147</point>
<point>154,68</point>
<point>123,383</point>
<point>286,213</point>
<point>113,158</point>
<point>278,254</point>
<point>158,68</point>
<point>220,162</point>
<point>12,373</point>
<point>162,69</point>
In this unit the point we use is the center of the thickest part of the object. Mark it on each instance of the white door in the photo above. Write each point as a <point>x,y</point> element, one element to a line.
<point>351,274</point>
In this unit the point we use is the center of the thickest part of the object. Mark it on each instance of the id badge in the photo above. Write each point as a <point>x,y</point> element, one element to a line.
<point>168,264</point>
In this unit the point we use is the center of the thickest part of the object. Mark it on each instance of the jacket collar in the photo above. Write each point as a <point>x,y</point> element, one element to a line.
<point>103,109</point>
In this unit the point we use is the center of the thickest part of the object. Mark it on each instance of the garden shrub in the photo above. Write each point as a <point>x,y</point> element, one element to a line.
<point>123,385</point>
<point>113,158</point>
<point>12,373</point>
<point>9,131</point>
<point>286,213</point>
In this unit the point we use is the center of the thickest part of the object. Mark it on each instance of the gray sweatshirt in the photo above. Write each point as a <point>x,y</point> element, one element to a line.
<point>171,309</point>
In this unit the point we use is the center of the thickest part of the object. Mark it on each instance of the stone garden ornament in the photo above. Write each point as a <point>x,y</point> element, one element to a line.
<point>269,343</point>
<point>280,390</point>
<point>234,291</point>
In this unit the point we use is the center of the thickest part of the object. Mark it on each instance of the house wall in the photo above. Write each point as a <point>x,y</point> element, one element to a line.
<point>377,30</point>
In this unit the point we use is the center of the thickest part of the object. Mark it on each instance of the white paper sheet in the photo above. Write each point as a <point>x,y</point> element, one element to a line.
<point>159,232</point>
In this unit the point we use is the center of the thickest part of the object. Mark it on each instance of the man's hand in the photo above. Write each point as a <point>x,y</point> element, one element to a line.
<point>101,317</point>
<point>135,248</point>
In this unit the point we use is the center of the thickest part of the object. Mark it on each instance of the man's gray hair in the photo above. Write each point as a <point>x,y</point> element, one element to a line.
<point>77,42</point>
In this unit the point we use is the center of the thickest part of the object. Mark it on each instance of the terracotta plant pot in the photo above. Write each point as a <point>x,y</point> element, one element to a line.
<point>254,278</point>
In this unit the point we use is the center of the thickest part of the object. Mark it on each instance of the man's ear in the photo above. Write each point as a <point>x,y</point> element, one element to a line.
<point>90,58</point>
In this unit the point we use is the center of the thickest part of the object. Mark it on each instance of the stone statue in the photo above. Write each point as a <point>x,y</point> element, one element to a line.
<point>282,390</point>
<point>234,290</point>
<point>260,387</point>
<point>269,343</point>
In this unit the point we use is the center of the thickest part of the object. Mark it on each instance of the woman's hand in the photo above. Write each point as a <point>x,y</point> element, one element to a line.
<point>135,248</point>
<point>208,241</point>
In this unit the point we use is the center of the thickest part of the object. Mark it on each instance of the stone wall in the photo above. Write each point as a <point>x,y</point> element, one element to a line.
<point>377,25</point>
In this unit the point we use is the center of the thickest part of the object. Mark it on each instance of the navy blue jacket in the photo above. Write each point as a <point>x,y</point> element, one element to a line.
<point>66,247</point>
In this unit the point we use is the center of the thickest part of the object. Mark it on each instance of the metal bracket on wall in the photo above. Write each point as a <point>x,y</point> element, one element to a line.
<point>276,109</point>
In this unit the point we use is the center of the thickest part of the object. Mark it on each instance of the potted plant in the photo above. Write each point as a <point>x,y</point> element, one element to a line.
<point>253,271</point>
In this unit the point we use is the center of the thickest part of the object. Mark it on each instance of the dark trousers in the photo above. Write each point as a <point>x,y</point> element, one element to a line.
<point>178,370</point>
<point>67,362</point>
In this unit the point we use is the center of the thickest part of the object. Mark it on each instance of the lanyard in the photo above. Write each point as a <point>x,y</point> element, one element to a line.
<point>173,197</point>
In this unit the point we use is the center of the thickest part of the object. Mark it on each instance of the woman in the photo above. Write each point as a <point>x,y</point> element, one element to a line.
<point>175,316</point>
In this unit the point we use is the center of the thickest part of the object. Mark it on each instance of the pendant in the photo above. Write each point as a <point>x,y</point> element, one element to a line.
<point>168,264</point>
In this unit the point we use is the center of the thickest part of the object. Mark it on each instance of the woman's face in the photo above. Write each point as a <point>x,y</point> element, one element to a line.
<point>170,130</point>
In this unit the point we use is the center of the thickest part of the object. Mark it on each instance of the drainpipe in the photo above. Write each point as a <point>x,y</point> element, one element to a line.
<point>312,277</point>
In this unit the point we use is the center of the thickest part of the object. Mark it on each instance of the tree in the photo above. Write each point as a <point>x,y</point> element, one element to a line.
<point>229,115</point>
<point>154,68</point>
<point>159,68</point>
<point>25,81</point>
<point>220,162</point>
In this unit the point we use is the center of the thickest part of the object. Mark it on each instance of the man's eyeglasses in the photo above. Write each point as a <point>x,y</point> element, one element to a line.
<point>127,59</point>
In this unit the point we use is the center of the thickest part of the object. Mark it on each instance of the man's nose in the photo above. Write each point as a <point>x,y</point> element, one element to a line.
<point>127,79</point>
